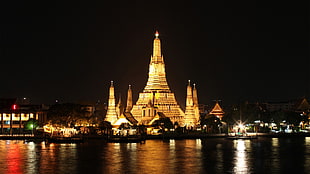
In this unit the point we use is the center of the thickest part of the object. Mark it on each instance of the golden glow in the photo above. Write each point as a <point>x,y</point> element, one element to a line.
<point>307,149</point>
<point>275,142</point>
<point>31,155</point>
<point>156,96</point>
<point>308,141</point>
<point>48,128</point>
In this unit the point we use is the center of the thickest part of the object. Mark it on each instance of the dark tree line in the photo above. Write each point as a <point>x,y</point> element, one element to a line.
<point>252,112</point>
<point>68,114</point>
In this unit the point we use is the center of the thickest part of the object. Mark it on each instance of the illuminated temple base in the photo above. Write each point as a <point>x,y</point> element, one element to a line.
<point>144,111</point>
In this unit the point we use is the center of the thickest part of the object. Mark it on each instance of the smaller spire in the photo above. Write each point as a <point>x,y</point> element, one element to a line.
<point>111,82</point>
<point>189,82</point>
<point>120,99</point>
<point>129,99</point>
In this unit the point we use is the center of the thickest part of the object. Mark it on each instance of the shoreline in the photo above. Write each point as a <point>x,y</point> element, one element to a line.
<point>168,136</point>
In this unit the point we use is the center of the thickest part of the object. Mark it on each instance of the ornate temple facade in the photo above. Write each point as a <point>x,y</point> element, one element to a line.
<point>156,98</point>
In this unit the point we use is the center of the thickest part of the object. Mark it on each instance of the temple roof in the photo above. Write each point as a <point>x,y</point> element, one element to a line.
<point>217,109</point>
<point>130,118</point>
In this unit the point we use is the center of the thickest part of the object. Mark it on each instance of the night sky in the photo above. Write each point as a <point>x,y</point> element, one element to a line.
<point>234,51</point>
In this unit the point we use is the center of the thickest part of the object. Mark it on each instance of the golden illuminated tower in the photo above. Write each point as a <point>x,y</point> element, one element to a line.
<point>190,115</point>
<point>111,115</point>
<point>129,99</point>
<point>195,96</point>
<point>119,107</point>
<point>195,101</point>
<point>156,96</point>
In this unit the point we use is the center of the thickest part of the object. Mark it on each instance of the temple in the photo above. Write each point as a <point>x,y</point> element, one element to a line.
<point>156,100</point>
<point>217,111</point>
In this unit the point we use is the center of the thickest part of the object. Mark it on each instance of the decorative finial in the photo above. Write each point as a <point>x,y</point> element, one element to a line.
<point>111,82</point>
<point>156,34</point>
<point>189,82</point>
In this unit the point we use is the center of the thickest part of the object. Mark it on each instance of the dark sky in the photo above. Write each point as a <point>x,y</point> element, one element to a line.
<point>70,51</point>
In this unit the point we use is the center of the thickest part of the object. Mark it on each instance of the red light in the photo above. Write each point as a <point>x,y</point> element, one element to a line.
<point>14,107</point>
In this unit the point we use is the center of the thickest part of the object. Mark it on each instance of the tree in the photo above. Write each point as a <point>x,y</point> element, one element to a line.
<point>66,114</point>
<point>31,125</point>
<point>163,123</point>
<point>212,122</point>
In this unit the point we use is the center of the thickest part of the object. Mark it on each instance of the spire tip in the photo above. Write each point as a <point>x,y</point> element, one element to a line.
<point>156,34</point>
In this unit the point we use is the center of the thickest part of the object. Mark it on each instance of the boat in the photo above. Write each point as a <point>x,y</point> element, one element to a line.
<point>65,140</point>
<point>245,137</point>
<point>126,139</point>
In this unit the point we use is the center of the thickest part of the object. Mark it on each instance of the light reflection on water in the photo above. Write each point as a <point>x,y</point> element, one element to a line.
<point>307,152</point>
<point>218,155</point>
<point>240,158</point>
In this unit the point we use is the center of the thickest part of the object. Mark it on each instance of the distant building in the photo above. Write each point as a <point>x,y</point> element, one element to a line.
<point>299,106</point>
<point>277,106</point>
<point>14,114</point>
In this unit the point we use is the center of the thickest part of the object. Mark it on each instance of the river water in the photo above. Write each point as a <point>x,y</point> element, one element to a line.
<point>215,155</point>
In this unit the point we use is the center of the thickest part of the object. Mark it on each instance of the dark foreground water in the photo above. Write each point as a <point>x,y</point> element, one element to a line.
<point>219,155</point>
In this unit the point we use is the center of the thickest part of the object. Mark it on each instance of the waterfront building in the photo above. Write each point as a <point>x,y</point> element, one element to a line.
<point>298,105</point>
<point>15,113</point>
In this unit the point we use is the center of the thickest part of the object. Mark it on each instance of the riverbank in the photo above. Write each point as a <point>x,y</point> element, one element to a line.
<point>193,135</point>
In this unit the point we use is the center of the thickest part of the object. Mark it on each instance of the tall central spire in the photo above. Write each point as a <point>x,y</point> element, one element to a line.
<point>157,75</point>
